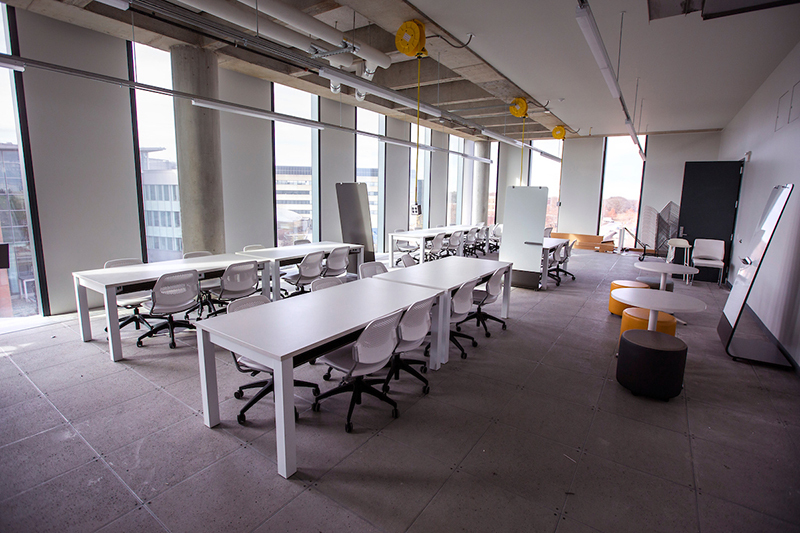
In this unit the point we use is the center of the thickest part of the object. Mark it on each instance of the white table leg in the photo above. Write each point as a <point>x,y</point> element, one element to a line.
<point>360,259</point>
<point>83,311</point>
<point>440,332</point>
<point>543,270</point>
<point>391,249</point>
<point>208,378</point>
<point>266,281</point>
<point>284,417</point>
<point>112,324</point>
<point>276,280</point>
<point>652,321</point>
<point>506,294</point>
<point>663,285</point>
<point>421,242</point>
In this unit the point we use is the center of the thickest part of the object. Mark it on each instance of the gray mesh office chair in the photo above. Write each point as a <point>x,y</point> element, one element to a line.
<point>372,268</point>
<point>407,260</point>
<point>309,269</point>
<point>481,297</point>
<point>239,280</point>
<point>131,301</point>
<point>411,332</point>
<point>205,286</point>
<point>436,248</point>
<point>453,243</point>
<point>248,366</point>
<point>323,283</point>
<point>368,354</point>
<point>460,305</point>
<point>176,292</point>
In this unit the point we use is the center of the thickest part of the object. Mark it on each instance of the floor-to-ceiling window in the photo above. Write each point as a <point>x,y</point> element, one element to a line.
<point>370,168</point>
<point>494,151</point>
<point>294,166</point>
<point>158,156</point>
<point>545,172</point>
<point>622,187</point>
<point>455,173</point>
<point>419,186</point>
<point>18,284</point>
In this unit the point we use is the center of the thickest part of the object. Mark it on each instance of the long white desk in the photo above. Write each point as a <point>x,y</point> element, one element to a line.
<point>421,236</point>
<point>549,244</point>
<point>119,280</point>
<point>292,254</point>
<point>276,333</point>
<point>447,274</point>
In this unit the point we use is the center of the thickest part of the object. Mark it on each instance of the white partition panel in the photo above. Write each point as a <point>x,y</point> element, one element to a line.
<point>523,230</point>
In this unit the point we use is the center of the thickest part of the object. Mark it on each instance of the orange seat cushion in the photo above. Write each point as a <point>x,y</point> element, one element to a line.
<point>615,307</point>
<point>637,318</point>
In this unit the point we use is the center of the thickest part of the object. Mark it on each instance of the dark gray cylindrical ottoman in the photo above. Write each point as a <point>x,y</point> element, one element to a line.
<point>655,282</point>
<point>651,363</point>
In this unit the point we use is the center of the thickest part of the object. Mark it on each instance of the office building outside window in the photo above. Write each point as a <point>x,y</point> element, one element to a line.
<point>295,166</point>
<point>370,168</point>
<point>158,155</point>
<point>545,172</point>
<point>622,188</point>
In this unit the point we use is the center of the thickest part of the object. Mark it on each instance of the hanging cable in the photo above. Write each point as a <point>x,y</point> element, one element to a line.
<point>522,151</point>
<point>416,169</point>
<point>451,44</point>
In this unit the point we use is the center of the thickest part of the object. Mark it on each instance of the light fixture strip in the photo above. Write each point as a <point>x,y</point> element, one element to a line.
<point>588,25</point>
<point>12,64</point>
<point>518,144</point>
<point>387,94</point>
<point>257,113</point>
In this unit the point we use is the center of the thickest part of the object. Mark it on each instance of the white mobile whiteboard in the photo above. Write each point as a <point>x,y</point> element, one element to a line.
<point>523,222</point>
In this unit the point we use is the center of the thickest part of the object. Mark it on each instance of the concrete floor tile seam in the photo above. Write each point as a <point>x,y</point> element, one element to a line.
<point>695,473</point>
<point>774,415</point>
<point>752,509</point>
<point>792,461</point>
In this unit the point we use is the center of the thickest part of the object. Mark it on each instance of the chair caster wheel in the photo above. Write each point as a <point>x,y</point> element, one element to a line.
<point>296,415</point>
<point>172,345</point>
<point>458,328</point>
<point>385,389</point>
<point>488,334</point>
<point>475,343</point>
<point>426,389</point>
<point>139,344</point>
<point>315,391</point>
<point>238,395</point>
<point>326,376</point>
<point>241,418</point>
<point>315,407</point>
<point>463,355</point>
<point>348,427</point>
<point>428,350</point>
<point>504,327</point>
<point>312,362</point>
<point>423,369</point>
<point>395,413</point>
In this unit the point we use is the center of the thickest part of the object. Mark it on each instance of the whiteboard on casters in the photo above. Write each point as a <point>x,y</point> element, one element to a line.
<point>523,221</point>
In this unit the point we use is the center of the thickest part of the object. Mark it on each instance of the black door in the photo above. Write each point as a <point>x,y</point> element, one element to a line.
<point>708,206</point>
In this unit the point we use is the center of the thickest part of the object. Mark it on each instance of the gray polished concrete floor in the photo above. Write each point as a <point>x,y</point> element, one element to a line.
<point>529,433</point>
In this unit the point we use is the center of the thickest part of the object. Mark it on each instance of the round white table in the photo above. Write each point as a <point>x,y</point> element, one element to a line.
<point>656,301</point>
<point>665,269</point>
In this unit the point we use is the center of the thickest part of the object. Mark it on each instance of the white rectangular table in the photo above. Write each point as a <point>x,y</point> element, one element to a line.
<point>275,333</point>
<point>447,275</point>
<point>421,236</point>
<point>292,254</point>
<point>118,280</point>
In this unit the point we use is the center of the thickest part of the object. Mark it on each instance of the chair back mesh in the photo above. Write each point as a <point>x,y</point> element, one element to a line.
<point>246,303</point>
<point>494,285</point>
<point>548,231</point>
<point>462,299</point>
<point>251,247</point>
<point>239,278</point>
<point>311,267</point>
<point>483,233</point>
<point>472,236</point>
<point>498,231</point>
<point>323,283</point>
<point>337,262</point>
<point>436,244</point>
<point>127,261</point>
<point>455,240</point>
<point>407,260</point>
<point>373,268</point>
<point>416,322</point>
<point>175,292</point>
<point>376,343</point>
<point>199,253</point>
<point>302,241</point>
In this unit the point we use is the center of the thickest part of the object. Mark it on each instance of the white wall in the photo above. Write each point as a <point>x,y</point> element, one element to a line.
<point>775,160</point>
<point>508,174</point>
<point>81,140</point>
<point>337,154</point>
<point>666,157</point>
<point>581,177</point>
<point>246,163</point>
<point>397,177</point>
<point>438,207</point>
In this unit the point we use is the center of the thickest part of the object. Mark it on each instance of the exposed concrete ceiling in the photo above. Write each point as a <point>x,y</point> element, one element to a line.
<point>693,75</point>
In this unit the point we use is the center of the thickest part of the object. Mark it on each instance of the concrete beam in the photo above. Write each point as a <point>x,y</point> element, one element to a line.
<point>449,93</point>
<point>404,75</point>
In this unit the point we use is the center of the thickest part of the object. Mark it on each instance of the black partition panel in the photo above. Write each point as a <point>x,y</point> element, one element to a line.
<point>740,347</point>
<point>354,216</point>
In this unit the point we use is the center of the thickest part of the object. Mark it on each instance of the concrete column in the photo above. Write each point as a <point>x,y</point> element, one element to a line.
<point>197,132</point>
<point>480,184</point>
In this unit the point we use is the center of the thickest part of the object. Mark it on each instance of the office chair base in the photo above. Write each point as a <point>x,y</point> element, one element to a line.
<point>169,324</point>
<point>398,364</point>
<point>267,386</point>
<point>559,271</point>
<point>481,318</point>
<point>358,386</point>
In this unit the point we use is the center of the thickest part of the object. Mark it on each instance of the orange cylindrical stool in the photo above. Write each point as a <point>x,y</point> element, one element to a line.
<point>616,307</point>
<point>637,318</point>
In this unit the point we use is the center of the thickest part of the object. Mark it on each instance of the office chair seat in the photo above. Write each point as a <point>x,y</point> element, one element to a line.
<point>309,269</point>
<point>481,297</point>
<point>132,301</point>
<point>175,292</point>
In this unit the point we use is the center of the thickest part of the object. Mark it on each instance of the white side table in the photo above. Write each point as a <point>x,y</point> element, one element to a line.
<point>656,301</point>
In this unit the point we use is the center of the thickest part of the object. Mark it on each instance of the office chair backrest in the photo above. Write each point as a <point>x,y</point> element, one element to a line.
<point>378,340</point>
<point>494,285</point>
<point>373,268</point>
<point>240,278</point>
<point>472,236</point>
<point>483,233</point>
<point>548,231</point>
<point>415,324</point>
<point>407,260</point>
<point>302,241</point>
<point>200,253</point>
<point>337,261</point>
<point>708,249</point>
<point>455,240</point>
<point>462,299</point>
<point>498,231</point>
<point>247,303</point>
<point>323,283</point>
<point>175,291</point>
<point>127,261</point>
<point>311,265</point>
<point>251,247</point>
<point>437,243</point>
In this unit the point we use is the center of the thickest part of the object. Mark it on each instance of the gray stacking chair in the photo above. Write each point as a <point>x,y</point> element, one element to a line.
<point>411,331</point>
<point>132,301</point>
<point>372,268</point>
<point>175,292</point>
<point>309,269</point>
